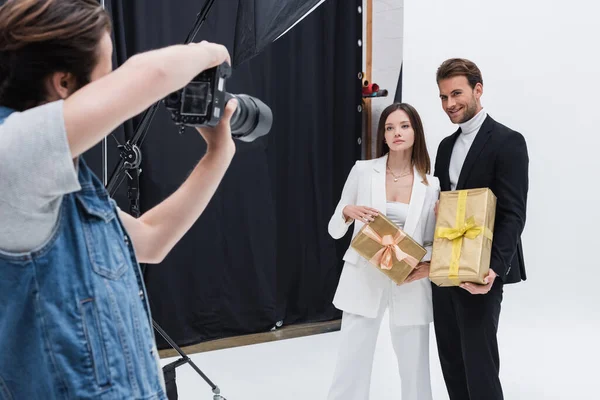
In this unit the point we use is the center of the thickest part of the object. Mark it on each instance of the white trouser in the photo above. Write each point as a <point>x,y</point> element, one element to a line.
<point>358,337</point>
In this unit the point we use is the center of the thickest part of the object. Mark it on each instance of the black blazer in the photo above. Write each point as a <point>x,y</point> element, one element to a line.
<point>497,160</point>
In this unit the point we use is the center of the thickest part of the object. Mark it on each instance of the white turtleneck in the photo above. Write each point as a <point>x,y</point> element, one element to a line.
<point>463,143</point>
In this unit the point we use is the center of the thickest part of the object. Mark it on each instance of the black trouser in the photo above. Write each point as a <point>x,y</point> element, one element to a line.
<point>465,328</point>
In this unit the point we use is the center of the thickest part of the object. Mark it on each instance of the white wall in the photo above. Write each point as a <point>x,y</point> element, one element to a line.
<point>388,18</point>
<point>541,64</point>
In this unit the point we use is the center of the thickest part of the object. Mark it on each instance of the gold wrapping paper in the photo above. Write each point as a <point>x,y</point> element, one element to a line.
<point>463,237</point>
<point>388,248</point>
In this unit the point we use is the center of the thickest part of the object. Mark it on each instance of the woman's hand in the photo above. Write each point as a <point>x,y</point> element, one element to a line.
<point>421,271</point>
<point>361,213</point>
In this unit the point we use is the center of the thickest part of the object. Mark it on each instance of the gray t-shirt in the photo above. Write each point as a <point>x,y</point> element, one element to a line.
<point>36,170</point>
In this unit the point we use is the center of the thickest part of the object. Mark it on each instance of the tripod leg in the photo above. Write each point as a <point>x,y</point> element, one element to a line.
<point>185,357</point>
<point>170,380</point>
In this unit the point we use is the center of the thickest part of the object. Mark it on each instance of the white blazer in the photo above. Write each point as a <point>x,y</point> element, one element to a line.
<point>361,286</point>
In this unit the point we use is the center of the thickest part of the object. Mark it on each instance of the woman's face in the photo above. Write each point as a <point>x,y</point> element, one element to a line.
<point>399,133</point>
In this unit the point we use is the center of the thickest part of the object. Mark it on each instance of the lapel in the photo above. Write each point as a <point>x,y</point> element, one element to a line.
<point>445,155</point>
<point>417,198</point>
<point>478,144</point>
<point>379,195</point>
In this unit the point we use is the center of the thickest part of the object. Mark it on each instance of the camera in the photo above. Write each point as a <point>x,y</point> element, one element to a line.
<point>202,102</point>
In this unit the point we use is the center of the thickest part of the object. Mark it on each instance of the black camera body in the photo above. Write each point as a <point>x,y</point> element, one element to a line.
<point>202,103</point>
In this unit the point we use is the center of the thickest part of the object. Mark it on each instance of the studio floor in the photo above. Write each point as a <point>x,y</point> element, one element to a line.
<point>545,356</point>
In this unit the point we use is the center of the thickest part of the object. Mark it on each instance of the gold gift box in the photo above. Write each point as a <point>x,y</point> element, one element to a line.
<point>463,237</point>
<point>388,248</point>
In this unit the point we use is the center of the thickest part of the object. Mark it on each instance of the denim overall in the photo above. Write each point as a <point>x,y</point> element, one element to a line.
<point>74,319</point>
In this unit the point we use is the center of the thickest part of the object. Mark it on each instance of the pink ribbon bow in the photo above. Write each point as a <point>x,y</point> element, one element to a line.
<point>383,257</point>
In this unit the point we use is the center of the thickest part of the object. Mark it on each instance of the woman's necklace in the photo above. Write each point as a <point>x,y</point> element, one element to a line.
<point>396,177</point>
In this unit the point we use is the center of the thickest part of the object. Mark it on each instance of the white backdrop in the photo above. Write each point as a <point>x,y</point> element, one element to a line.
<point>541,65</point>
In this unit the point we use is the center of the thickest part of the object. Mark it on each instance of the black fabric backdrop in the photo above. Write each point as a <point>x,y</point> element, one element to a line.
<point>260,253</point>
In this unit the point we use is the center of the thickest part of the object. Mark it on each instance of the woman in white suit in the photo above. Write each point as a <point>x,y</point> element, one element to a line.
<point>397,185</point>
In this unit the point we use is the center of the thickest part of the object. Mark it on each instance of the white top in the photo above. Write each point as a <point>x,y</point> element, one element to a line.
<point>463,143</point>
<point>397,213</point>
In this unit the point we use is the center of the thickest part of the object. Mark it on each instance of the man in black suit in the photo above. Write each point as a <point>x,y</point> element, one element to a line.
<point>482,153</point>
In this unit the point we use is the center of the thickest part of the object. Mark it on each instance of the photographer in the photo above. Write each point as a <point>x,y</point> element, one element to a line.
<point>74,318</point>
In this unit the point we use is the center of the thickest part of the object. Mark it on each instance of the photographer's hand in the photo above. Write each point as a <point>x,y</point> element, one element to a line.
<point>215,54</point>
<point>156,232</point>
<point>219,138</point>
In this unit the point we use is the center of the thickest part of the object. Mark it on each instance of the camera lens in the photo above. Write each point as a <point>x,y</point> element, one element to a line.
<point>252,118</point>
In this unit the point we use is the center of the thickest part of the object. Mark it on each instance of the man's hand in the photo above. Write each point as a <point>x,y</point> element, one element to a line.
<point>362,213</point>
<point>475,288</point>
<point>421,271</point>
<point>219,137</point>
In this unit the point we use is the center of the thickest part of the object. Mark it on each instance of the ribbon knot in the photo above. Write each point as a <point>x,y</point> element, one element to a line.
<point>468,230</point>
<point>390,248</point>
<point>387,240</point>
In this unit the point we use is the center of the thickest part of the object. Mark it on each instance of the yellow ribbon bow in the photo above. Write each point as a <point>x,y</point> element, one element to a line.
<point>468,230</point>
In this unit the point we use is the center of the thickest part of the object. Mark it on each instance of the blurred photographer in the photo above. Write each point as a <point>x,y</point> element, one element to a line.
<point>74,318</point>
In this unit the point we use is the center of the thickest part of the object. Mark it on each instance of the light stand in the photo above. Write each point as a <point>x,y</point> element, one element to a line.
<point>129,166</point>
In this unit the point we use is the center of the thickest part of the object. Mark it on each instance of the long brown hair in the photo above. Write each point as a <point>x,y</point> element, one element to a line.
<point>41,37</point>
<point>420,156</point>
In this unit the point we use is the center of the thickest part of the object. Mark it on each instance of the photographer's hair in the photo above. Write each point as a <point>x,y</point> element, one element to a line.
<point>460,67</point>
<point>420,156</point>
<point>41,37</point>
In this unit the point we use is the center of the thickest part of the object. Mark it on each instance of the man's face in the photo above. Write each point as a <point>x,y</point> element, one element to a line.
<point>459,100</point>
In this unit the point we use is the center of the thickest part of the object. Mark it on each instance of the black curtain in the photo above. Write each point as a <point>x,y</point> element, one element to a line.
<point>260,253</point>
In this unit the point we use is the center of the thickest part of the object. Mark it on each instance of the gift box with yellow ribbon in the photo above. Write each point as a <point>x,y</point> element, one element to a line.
<point>463,237</point>
<point>388,248</point>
